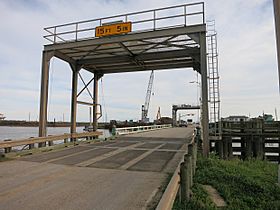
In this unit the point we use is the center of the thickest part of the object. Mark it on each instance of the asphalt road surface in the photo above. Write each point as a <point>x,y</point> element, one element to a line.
<point>127,173</point>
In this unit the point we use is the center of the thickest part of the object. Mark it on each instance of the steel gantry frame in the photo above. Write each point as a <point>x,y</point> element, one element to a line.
<point>175,108</point>
<point>165,38</point>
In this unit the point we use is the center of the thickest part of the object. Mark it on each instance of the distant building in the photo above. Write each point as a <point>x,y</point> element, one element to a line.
<point>236,118</point>
<point>2,116</point>
<point>267,117</point>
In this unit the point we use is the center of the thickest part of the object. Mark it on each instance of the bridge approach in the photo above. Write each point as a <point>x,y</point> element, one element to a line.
<point>128,173</point>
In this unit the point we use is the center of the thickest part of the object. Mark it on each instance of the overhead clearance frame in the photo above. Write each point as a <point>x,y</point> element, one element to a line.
<point>164,38</point>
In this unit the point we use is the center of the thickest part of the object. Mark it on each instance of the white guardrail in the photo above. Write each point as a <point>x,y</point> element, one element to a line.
<point>138,129</point>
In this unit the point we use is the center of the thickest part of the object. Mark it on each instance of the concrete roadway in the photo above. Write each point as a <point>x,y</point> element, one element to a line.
<point>128,173</point>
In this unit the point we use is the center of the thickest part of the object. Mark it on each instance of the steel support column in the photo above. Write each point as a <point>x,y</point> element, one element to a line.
<point>174,117</point>
<point>75,71</point>
<point>46,57</point>
<point>277,29</point>
<point>204,94</point>
<point>95,102</point>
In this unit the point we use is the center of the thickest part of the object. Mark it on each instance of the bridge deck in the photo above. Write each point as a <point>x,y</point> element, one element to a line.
<point>125,174</point>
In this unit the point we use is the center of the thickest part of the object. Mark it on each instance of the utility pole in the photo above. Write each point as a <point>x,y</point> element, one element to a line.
<point>277,30</point>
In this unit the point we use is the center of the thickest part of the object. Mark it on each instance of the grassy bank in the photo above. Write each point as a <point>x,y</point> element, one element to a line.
<point>243,184</point>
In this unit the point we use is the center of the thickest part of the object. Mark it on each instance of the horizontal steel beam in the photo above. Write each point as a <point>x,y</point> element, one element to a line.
<point>85,103</point>
<point>146,64</point>
<point>64,57</point>
<point>115,48</point>
<point>143,57</point>
<point>129,37</point>
<point>148,68</point>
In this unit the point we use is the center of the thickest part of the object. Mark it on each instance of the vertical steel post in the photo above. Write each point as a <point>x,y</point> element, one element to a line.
<point>46,57</point>
<point>95,102</point>
<point>204,87</point>
<point>277,29</point>
<point>75,71</point>
<point>174,120</point>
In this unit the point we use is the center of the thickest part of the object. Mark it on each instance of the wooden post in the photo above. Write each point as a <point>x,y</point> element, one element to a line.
<point>8,149</point>
<point>185,175</point>
<point>221,149</point>
<point>190,165</point>
<point>242,141</point>
<point>225,148</point>
<point>194,157</point>
<point>258,148</point>
<point>249,146</point>
<point>183,185</point>
<point>230,152</point>
<point>65,141</point>
<point>31,146</point>
<point>262,144</point>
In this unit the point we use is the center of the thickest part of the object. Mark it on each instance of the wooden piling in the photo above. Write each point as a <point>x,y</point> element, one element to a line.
<point>220,149</point>
<point>230,151</point>
<point>225,148</point>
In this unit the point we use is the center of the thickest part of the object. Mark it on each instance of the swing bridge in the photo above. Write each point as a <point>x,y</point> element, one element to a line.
<point>166,38</point>
<point>118,171</point>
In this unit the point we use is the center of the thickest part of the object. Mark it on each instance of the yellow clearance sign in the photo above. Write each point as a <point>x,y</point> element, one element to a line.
<point>119,28</point>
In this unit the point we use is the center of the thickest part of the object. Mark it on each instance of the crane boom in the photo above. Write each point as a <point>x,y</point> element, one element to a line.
<point>145,107</point>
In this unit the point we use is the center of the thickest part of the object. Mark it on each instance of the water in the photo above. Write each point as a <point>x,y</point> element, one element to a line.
<point>7,132</point>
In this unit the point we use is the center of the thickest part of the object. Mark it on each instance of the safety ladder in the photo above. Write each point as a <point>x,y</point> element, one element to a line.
<point>213,79</point>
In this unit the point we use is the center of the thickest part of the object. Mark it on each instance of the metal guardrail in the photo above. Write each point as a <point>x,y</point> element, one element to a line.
<point>181,15</point>
<point>182,179</point>
<point>139,129</point>
<point>8,144</point>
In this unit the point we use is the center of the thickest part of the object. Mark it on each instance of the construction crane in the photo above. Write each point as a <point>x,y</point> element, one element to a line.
<point>145,107</point>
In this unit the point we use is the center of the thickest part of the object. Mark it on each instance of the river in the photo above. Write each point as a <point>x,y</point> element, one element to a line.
<point>7,132</point>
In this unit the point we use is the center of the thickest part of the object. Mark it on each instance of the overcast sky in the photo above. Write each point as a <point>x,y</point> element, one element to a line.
<point>247,58</point>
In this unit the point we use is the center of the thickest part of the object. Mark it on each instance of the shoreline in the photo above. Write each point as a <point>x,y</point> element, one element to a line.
<point>22,123</point>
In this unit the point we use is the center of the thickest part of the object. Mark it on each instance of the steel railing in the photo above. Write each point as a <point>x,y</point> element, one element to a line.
<point>139,129</point>
<point>8,144</point>
<point>155,19</point>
